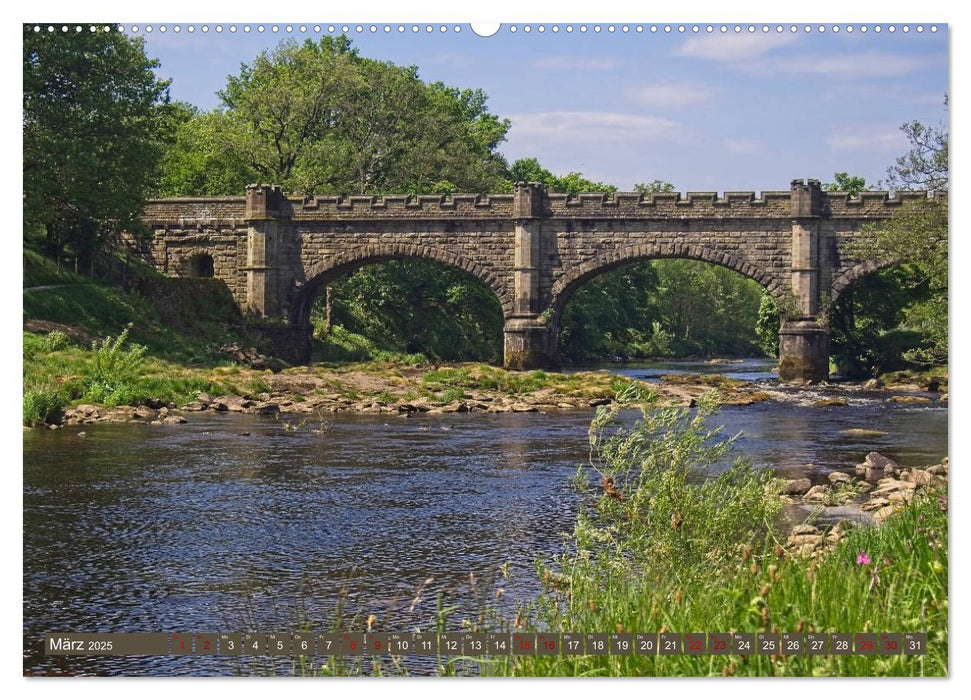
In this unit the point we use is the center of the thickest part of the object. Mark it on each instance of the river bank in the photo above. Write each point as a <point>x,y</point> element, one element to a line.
<point>72,385</point>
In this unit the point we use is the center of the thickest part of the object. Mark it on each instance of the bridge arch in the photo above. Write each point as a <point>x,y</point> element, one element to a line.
<point>564,287</point>
<point>852,275</point>
<point>332,267</point>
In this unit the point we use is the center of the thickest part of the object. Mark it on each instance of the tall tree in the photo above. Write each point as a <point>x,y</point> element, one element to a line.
<point>917,236</point>
<point>319,118</point>
<point>95,123</point>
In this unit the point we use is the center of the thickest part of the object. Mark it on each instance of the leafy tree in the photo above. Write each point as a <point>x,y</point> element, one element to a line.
<point>925,165</point>
<point>653,187</point>
<point>95,123</point>
<point>319,118</point>
<point>529,170</point>
<point>194,165</point>
<point>844,182</point>
<point>419,306</point>
<point>868,331</point>
<point>767,325</point>
<point>917,235</point>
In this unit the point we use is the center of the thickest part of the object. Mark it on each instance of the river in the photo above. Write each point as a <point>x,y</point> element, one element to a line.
<point>232,523</point>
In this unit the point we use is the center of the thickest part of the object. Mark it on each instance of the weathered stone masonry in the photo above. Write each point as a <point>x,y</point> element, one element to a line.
<point>276,253</point>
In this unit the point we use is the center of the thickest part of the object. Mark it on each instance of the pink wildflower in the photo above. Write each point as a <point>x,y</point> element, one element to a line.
<point>862,558</point>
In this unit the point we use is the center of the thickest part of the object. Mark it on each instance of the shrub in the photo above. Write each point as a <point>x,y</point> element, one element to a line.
<point>43,405</point>
<point>56,340</point>
<point>660,508</point>
<point>114,364</point>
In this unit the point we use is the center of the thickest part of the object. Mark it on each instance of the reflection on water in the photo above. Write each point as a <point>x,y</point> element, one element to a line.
<point>198,528</point>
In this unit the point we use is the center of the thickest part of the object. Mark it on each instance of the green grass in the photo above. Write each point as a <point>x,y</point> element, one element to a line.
<point>902,589</point>
<point>341,345</point>
<point>681,555</point>
<point>112,372</point>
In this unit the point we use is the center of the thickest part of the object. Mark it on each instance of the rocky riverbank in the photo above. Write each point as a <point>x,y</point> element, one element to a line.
<point>407,390</point>
<point>465,388</point>
<point>877,488</point>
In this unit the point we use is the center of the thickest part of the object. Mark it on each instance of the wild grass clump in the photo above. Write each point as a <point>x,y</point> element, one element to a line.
<point>661,549</point>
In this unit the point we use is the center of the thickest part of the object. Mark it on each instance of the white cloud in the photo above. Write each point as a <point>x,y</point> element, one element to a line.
<point>576,63</point>
<point>870,64</point>
<point>733,47</point>
<point>671,94</point>
<point>742,146</point>
<point>877,139</point>
<point>563,126</point>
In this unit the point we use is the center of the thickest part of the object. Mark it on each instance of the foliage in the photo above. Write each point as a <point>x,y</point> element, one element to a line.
<point>868,331</point>
<point>418,306</point>
<point>662,308</point>
<point>925,165</point>
<point>844,182</point>
<point>317,117</point>
<point>43,404</point>
<point>668,518</point>
<point>767,325</point>
<point>653,187</point>
<point>193,164</point>
<point>95,121</point>
<point>917,236</point>
<point>901,584</point>
<point>115,370</point>
<point>661,549</point>
<point>529,170</point>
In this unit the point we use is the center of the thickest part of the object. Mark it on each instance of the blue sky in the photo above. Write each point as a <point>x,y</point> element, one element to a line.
<point>705,111</point>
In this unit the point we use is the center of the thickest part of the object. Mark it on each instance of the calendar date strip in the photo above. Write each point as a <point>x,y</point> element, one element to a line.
<point>482,644</point>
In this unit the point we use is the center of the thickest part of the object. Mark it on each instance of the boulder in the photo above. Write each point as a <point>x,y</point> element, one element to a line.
<point>884,512</point>
<point>795,487</point>
<point>878,461</point>
<point>839,478</point>
<point>143,413</point>
<point>816,493</point>
<point>910,399</point>
<point>875,504</point>
<point>803,540</point>
<point>822,403</point>
<point>805,529</point>
<point>862,432</point>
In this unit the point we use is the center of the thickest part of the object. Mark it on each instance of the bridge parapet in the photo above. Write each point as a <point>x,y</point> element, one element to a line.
<point>265,202</point>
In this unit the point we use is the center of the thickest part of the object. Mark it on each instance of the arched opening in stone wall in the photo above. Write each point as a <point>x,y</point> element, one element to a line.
<point>376,307</point>
<point>665,308</point>
<point>882,319</point>
<point>201,265</point>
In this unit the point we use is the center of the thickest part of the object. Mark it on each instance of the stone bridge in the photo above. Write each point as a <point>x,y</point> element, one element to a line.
<point>533,248</point>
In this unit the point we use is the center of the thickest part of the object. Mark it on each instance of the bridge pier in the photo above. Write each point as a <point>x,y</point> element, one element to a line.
<point>264,206</point>
<point>803,351</point>
<point>528,344</point>
<point>803,341</point>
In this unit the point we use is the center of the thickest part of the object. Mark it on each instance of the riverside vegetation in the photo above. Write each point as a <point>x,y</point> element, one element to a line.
<point>660,548</point>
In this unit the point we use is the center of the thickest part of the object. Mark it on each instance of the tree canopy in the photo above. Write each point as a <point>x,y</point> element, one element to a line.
<point>317,118</point>
<point>903,314</point>
<point>95,122</point>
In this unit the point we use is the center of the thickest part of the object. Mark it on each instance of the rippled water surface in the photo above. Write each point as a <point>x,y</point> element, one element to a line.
<point>201,527</point>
